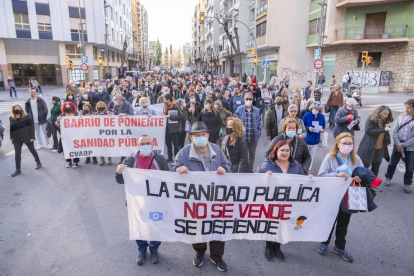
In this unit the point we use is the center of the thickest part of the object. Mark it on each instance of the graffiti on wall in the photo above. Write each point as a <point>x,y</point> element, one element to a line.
<point>296,75</point>
<point>371,80</point>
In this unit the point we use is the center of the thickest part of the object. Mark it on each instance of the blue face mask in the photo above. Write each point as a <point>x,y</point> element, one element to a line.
<point>206,106</point>
<point>314,112</point>
<point>291,134</point>
<point>145,150</point>
<point>200,141</point>
<point>144,105</point>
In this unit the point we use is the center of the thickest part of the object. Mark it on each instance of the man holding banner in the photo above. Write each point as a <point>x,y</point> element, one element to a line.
<point>201,155</point>
<point>144,158</point>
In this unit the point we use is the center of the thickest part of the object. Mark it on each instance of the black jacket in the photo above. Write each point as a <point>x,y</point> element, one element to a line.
<point>236,153</point>
<point>213,122</point>
<point>130,161</point>
<point>174,121</point>
<point>22,129</point>
<point>366,147</point>
<point>41,110</point>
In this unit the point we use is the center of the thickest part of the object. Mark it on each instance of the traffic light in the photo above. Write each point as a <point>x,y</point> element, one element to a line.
<point>67,61</point>
<point>100,59</point>
<point>71,65</point>
<point>255,61</point>
<point>364,56</point>
<point>369,60</point>
<point>202,17</point>
<point>253,51</point>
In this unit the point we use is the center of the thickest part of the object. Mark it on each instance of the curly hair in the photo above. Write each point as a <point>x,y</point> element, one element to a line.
<point>375,115</point>
<point>74,109</point>
<point>237,127</point>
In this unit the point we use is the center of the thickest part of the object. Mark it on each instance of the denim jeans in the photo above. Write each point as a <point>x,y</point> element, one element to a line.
<point>171,139</point>
<point>15,93</point>
<point>143,245</point>
<point>38,136</point>
<point>344,86</point>
<point>409,165</point>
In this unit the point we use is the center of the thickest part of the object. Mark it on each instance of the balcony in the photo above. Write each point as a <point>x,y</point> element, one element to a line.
<point>377,34</point>
<point>261,12</point>
<point>358,3</point>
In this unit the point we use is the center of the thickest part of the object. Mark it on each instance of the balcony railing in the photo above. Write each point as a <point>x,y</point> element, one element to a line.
<point>376,32</point>
<point>261,10</point>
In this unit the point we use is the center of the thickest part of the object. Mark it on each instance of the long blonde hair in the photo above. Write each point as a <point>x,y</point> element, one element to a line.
<point>13,115</point>
<point>335,149</point>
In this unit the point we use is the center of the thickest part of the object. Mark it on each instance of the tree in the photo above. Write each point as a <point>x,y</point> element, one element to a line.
<point>176,58</point>
<point>157,54</point>
<point>166,58</point>
<point>124,54</point>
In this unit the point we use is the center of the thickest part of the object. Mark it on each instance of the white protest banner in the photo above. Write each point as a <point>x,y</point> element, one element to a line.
<point>109,136</point>
<point>203,206</point>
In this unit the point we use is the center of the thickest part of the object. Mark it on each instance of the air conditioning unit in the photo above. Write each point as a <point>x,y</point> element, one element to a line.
<point>385,35</point>
<point>359,36</point>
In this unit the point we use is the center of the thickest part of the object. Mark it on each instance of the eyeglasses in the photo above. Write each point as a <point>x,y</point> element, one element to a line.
<point>347,144</point>
<point>145,144</point>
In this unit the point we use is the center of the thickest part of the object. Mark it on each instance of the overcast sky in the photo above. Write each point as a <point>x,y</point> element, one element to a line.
<point>170,21</point>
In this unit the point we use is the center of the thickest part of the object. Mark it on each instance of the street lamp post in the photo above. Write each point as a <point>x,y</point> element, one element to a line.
<point>81,29</point>
<point>321,37</point>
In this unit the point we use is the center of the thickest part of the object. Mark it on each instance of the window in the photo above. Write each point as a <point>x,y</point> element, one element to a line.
<point>375,61</point>
<point>43,22</point>
<point>252,15</point>
<point>313,26</point>
<point>21,21</point>
<point>95,53</point>
<point>120,21</point>
<point>113,34</point>
<point>113,56</point>
<point>72,51</point>
<point>261,29</point>
<point>117,57</point>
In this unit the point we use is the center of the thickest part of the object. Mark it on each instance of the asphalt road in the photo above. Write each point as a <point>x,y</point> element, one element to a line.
<point>59,221</point>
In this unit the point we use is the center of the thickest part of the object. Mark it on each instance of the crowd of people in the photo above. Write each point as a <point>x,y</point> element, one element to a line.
<point>224,118</point>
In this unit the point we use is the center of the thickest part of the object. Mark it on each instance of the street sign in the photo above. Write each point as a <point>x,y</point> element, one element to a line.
<point>236,66</point>
<point>84,66</point>
<point>318,64</point>
<point>85,59</point>
<point>317,54</point>
<point>266,63</point>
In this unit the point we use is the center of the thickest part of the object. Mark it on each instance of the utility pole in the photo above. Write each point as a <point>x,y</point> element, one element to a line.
<point>81,29</point>
<point>106,38</point>
<point>321,29</point>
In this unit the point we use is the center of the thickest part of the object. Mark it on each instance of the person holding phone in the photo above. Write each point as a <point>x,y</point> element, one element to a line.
<point>374,143</point>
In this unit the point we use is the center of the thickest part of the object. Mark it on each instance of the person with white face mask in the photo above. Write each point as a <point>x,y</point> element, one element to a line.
<point>147,159</point>
<point>340,162</point>
<point>314,123</point>
<point>201,155</point>
<point>250,116</point>
<point>347,118</point>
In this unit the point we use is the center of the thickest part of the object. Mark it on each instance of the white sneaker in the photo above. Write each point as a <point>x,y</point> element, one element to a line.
<point>55,150</point>
<point>38,147</point>
<point>49,146</point>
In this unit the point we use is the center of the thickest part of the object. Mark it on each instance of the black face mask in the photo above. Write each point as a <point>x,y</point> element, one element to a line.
<point>17,112</point>
<point>279,102</point>
<point>85,111</point>
<point>68,110</point>
<point>285,102</point>
<point>229,130</point>
<point>101,108</point>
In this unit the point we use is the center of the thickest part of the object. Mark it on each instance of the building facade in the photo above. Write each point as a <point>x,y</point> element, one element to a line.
<point>198,33</point>
<point>37,35</point>
<point>383,28</point>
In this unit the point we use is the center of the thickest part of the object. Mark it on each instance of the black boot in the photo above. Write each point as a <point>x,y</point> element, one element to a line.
<point>16,172</point>
<point>38,165</point>
<point>278,253</point>
<point>95,161</point>
<point>269,250</point>
<point>88,160</point>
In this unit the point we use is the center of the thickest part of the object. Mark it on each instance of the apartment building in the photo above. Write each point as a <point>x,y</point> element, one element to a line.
<point>151,53</point>
<point>383,28</point>
<point>198,43</point>
<point>37,35</point>
<point>143,44</point>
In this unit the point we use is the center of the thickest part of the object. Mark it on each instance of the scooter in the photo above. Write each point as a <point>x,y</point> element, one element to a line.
<point>356,94</point>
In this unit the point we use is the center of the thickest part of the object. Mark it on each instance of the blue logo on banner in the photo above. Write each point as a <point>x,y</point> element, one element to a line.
<point>156,216</point>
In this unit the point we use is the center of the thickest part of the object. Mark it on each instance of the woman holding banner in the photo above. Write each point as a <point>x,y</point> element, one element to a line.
<point>145,109</point>
<point>87,111</point>
<point>299,150</point>
<point>68,109</point>
<point>279,160</point>
<point>101,110</point>
<point>340,162</point>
